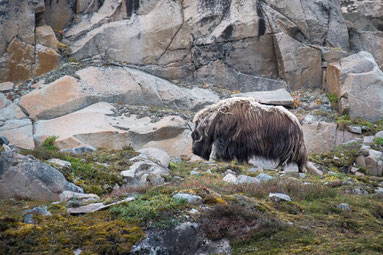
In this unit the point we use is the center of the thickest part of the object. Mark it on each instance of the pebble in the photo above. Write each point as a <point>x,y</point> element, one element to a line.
<point>195,173</point>
<point>344,207</point>
<point>276,197</point>
<point>190,198</point>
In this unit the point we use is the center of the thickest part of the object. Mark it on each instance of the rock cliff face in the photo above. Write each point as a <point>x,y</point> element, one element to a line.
<point>171,54</point>
<point>242,45</point>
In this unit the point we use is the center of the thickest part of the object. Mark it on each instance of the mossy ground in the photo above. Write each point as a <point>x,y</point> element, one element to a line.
<point>311,224</point>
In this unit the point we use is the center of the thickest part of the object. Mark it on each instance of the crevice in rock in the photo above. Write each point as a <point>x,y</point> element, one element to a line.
<point>175,34</point>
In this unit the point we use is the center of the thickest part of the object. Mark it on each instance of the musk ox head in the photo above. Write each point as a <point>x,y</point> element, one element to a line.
<point>240,128</point>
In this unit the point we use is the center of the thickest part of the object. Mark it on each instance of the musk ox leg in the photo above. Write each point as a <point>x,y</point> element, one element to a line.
<point>213,153</point>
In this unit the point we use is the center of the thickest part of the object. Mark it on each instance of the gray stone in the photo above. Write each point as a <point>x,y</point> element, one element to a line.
<point>95,207</point>
<point>6,86</point>
<point>375,154</point>
<point>263,178</point>
<point>42,210</point>
<point>3,140</point>
<point>264,163</point>
<point>62,164</point>
<point>368,139</point>
<point>70,195</point>
<point>194,172</point>
<point>356,78</point>
<point>186,238</point>
<point>190,198</point>
<point>144,172</point>
<point>273,97</point>
<point>83,149</point>
<point>26,177</point>
<point>312,169</point>
<point>244,179</point>
<point>379,190</point>
<point>176,160</point>
<point>276,197</point>
<point>230,178</point>
<point>379,134</point>
<point>344,207</point>
<point>355,129</point>
<point>157,154</point>
<point>28,219</point>
<point>371,165</point>
<point>291,168</point>
<point>320,137</point>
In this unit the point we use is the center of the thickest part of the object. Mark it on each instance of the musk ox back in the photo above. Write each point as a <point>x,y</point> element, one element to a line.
<point>240,128</point>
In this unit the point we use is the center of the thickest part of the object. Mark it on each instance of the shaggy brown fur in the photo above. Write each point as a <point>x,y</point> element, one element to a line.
<point>240,128</point>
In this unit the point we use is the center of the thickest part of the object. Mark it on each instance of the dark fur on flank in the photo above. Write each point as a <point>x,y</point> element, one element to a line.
<point>240,128</point>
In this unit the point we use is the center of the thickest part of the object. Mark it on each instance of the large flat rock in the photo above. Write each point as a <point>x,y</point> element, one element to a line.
<point>273,97</point>
<point>95,126</point>
<point>114,85</point>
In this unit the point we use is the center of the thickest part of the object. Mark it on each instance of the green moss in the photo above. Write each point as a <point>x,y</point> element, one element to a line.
<point>370,128</point>
<point>48,144</point>
<point>145,208</point>
<point>341,158</point>
<point>333,98</point>
<point>62,234</point>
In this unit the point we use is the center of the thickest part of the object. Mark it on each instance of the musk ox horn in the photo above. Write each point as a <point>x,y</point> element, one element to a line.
<point>241,128</point>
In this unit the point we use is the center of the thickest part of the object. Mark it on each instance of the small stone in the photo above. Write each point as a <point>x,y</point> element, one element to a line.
<point>178,178</point>
<point>83,149</point>
<point>28,219</point>
<point>6,86</point>
<point>291,168</point>
<point>176,160</point>
<point>276,197</point>
<point>78,251</point>
<point>355,129</point>
<point>263,178</point>
<point>244,179</point>
<point>70,195</point>
<point>371,166</point>
<point>375,154</point>
<point>229,171</point>
<point>190,198</point>
<point>62,164</point>
<point>3,140</point>
<point>312,169</point>
<point>264,163</point>
<point>360,161</point>
<point>344,207</point>
<point>379,190</point>
<point>42,210</point>
<point>193,211</point>
<point>354,169</point>
<point>230,178</point>
<point>368,139</point>
<point>302,175</point>
<point>379,134</point>
<point>359,174</point>
<point>208,171</point>
<point>195,173</point>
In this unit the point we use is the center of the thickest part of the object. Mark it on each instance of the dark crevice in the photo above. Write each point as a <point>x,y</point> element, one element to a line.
<point>132,7</point>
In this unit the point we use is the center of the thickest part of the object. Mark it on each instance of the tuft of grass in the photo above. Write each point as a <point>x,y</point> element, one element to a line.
<point>148,208</point>
<point>48,144</point>
<point>333,98</point>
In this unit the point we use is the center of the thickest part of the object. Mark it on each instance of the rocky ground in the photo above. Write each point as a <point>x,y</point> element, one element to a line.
<point>146,202</point>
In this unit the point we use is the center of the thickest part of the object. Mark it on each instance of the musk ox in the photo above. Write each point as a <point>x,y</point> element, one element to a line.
<point>240,129</point>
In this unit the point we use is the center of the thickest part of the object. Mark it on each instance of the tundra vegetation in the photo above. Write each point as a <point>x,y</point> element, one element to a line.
<point>311,223</point>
